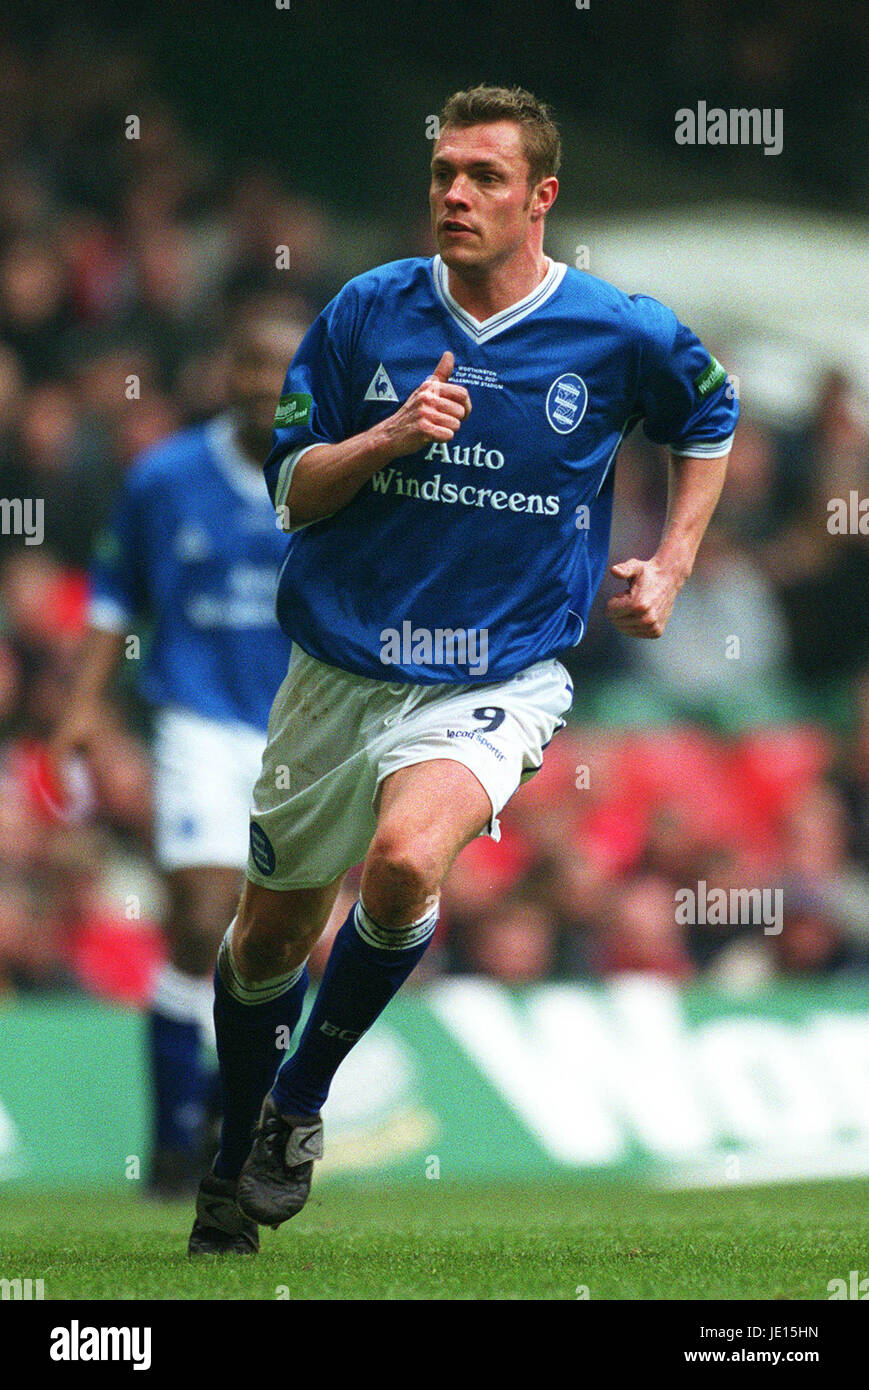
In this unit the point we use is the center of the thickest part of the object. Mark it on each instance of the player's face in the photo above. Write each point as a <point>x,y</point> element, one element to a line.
<point>482,205</point>
<point>258,364</point>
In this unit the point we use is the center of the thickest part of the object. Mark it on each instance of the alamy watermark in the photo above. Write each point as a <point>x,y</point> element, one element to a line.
<point>77,1343</point>
<point>854,1288</point>
<point>18,1290</point>
<point>848,516</point>
<point>713,125</point>
<point>723,907</point>
<point>439,646</point>
<point>23,516</point>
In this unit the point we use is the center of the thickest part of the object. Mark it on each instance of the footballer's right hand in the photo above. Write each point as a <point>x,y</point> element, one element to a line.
<point>433,412</point>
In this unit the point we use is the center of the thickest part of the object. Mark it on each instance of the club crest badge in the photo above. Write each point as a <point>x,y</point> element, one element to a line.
<point>566,402</point>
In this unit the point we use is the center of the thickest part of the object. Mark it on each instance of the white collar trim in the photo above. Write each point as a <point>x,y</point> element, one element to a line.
<point>505,318</point>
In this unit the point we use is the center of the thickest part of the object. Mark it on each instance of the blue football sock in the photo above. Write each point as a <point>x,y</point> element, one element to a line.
<point>249,1020</point>
<point>180,1073</point>
<point>367,965</point>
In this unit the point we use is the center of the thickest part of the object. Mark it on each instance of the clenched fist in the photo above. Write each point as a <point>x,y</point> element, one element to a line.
<point>643,610</point>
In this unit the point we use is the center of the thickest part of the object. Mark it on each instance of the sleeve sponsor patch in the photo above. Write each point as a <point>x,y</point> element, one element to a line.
<point>711,377</point>
<point>293,409</point>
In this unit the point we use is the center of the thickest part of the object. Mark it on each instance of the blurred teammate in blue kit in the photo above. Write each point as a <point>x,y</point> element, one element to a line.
<point>443,457</point>
<point>193,548</point>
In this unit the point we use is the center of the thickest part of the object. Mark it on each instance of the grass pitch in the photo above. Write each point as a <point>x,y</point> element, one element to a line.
<point>436,1241</point>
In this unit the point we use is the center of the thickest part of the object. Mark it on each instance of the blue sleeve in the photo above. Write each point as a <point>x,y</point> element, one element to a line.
<point>685,397</point>
<point>118,592</point>
<point>315,405</point>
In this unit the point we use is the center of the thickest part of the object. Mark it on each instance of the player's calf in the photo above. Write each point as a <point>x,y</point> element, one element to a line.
<point>368,964</point>
<point>258,997</point>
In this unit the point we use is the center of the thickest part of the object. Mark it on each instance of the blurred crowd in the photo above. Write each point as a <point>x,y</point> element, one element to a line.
<point>734,752</point>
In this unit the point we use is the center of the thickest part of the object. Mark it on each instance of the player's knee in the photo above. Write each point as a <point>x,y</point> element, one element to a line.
<point>401,874</point>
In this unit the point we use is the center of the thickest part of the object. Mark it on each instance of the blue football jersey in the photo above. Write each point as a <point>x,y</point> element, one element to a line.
<point>505,530</point>
<point>193,545</point>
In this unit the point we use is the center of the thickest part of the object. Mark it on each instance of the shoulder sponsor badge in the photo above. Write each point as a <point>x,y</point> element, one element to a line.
<point>711,377</point>
<point>293,409</point>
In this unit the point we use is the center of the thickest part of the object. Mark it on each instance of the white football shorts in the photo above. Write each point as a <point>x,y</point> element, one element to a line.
<point>334,736</point>
<point>203,772</point>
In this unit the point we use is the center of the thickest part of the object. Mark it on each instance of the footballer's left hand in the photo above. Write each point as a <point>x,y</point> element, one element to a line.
<point>643,610</point>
